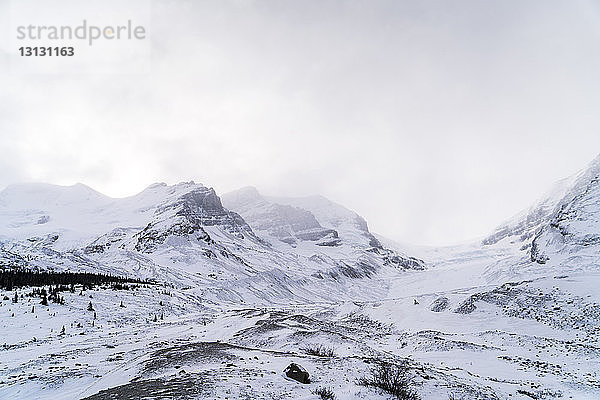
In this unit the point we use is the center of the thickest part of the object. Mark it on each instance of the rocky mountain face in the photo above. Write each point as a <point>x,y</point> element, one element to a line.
<point>347,223</point>
<point>285,223</point>
<point>185,235</point>
<point>563,229</point>
<point>305,224</point>
<point>187,216</point>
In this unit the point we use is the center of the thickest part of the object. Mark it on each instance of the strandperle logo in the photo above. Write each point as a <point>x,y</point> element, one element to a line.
<point>85,31</point>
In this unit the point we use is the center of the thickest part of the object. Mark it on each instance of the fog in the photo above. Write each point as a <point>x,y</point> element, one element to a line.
<point>434,120</point>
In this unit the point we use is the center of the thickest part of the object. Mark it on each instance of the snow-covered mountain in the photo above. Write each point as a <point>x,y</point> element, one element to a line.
<point>250,283</point>
<point>184,235</point>
<point>278,221</point>
<point>315,226</point>
<point>562,232</point>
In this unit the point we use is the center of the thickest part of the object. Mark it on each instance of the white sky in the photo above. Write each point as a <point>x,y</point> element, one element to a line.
<point>434,120</point>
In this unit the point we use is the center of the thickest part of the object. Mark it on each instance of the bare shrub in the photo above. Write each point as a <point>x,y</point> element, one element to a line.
<point>325,393</point>
<point>394,379</point>
<point>320,351</point>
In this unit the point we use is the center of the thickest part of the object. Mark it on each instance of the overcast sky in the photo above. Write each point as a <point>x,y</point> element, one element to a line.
<point>435,120</point>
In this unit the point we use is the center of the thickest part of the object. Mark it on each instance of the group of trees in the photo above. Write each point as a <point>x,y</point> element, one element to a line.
<point>58,282</point>
<point>52,294</point>
<point>48,285</point>
<point>13,278</point>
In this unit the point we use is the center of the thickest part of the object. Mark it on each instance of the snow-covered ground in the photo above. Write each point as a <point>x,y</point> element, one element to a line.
<point>246,288</point>
<point>538,337</point>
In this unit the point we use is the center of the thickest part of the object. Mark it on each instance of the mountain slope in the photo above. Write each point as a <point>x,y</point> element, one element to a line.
<point>281,222</point>
<point>316,228</point>
<point>183,234</point>
<point>563,231</point>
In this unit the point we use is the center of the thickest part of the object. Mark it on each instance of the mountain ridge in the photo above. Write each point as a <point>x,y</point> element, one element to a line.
<point>184,232</point>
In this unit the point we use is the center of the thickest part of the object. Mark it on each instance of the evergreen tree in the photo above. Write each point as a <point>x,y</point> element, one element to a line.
<point>44,301</point>
<point>90,307</point>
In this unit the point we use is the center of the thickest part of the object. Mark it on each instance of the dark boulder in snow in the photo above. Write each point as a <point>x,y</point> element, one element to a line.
<point>296,372</point>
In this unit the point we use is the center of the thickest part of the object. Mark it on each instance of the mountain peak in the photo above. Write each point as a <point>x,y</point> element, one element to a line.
<point>37,194</point>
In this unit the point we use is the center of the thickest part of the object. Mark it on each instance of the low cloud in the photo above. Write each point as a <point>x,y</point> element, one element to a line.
<point>435,121</point>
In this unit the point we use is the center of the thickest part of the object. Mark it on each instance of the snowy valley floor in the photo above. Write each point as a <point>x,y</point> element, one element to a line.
<point>537,338</point>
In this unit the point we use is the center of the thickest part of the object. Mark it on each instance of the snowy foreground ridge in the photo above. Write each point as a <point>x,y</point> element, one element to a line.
<point>239,286</point>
